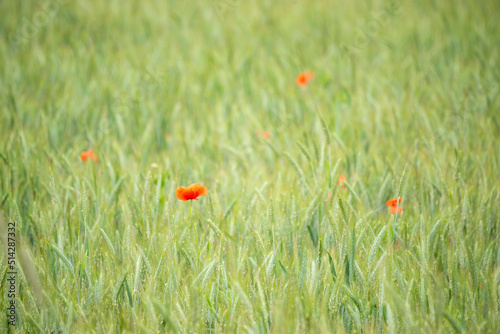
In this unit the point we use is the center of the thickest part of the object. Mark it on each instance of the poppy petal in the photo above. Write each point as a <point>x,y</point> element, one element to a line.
<point>303,78</point>
<point>181,193</point>
<point>191,192</point>
<point>396,210</point>
<point>393,202</point>
<point>342,180</point>
<point>202,191</point>
<point>198,190</point>
<point>300,81</point>
<point>84,156</point>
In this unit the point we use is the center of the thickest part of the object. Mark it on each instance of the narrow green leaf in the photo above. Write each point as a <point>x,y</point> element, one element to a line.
<point>64,259</point>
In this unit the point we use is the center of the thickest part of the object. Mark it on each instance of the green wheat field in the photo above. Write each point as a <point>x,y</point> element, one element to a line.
<point>404,103</point>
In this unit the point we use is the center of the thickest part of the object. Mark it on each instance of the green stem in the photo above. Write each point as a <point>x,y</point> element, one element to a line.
<point>194,229</point>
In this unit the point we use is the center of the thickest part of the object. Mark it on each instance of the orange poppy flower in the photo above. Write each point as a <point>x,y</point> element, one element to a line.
<point>329,196</point>
<point>304,78</point>
<point>396,210</point>
<point>266,134</point>
<point>393,202</point>
<point>342,180</point>
<point>88,154</point>
<point>192,192</point>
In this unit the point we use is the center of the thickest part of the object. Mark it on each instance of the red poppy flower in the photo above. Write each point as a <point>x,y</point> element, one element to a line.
<point>393,202</point>
<point>304,78</point>
<point>192,192</point>
<point>88,154</point>
<point>341,180</point>
<point>329,196</point>
<point>266,134</point>
<point>396,210</point>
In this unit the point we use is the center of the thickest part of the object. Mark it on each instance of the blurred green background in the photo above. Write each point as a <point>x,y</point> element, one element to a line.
<point>404,101</point>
